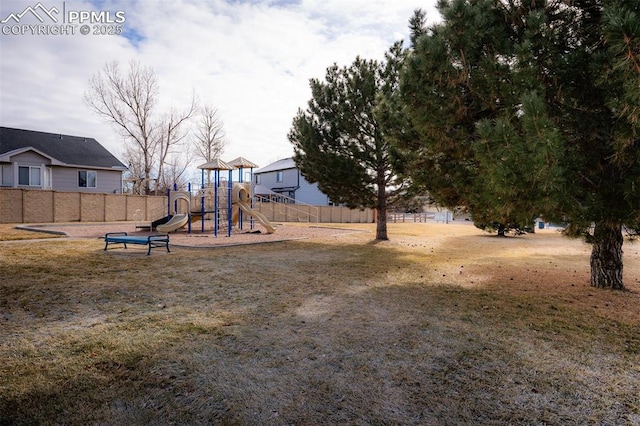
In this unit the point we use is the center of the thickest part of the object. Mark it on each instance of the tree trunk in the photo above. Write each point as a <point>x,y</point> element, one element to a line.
<point>606,256</point>
<point>381,223</point>
<point>147,175</point>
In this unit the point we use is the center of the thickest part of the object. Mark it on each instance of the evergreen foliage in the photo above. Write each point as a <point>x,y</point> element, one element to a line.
<point>527,108</point>
<point>338,141</point>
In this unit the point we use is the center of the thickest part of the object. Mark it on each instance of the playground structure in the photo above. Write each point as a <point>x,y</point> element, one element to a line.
<point>226,203</point>
<point>214,203</point>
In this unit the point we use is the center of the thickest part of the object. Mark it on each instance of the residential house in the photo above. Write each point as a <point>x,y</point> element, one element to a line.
<point>284,178</point>
<point>39,160</point>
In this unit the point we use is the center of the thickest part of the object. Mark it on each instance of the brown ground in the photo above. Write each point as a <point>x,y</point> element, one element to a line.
<point>443,324</point>
<point>284,232</point>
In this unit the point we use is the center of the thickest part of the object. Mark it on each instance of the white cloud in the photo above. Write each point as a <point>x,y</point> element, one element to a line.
<point>252,60</point>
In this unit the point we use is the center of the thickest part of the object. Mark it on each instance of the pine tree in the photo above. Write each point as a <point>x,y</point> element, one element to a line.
<point>531,107</point>
<point>338,141</point>
<point>452,84</point>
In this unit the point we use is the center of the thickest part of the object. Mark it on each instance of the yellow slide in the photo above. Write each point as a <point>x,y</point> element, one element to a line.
<point>257,215</point>
<point>176,222</point>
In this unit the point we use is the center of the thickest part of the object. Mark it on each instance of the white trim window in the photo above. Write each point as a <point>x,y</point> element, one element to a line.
<point>29,176</point>
<point>279,176</point>
<point>87,179</point>
<point>6,175</point>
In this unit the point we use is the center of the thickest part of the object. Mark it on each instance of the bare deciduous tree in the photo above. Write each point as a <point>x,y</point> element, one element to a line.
<point>129,101</point>
<point>171,142</point>
<point>174,171</point>
<point>135,176</point>
<point>209,135</point>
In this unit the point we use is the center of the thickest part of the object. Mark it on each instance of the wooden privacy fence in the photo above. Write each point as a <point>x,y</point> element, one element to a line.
<point>42,206</point>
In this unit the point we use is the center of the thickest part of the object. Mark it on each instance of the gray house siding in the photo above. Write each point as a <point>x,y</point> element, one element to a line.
<point>30,158</point>
<point>38,165</point>
<point>38,160</point>
<point>59,178</point>
<point>66,179</point>
<point>292,184</point>
<point>310,194</point>
<point>270,179</point>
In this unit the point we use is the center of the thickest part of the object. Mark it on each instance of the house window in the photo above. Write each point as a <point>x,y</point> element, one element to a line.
<point>6,177</point>
<point>258,179</point>
<point>279,176</point>
<point>29,176</point>
<point>87,178</point>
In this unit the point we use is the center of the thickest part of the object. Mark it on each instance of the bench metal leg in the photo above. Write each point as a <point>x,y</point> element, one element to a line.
<point>106,244</point>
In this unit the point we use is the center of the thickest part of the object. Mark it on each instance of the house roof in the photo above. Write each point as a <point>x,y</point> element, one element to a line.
<point>66,149</point>
<point>284,164</point>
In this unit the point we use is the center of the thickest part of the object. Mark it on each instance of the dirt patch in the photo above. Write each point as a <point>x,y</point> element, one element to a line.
<point>197,238</point>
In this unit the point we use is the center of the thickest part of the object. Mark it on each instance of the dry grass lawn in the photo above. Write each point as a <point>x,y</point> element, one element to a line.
<point>441,325</point>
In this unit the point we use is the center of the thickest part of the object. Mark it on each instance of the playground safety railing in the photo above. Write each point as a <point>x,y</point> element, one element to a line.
<point>286,208</point>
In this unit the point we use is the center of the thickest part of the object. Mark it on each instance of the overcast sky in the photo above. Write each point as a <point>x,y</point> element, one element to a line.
<point>252,60</point>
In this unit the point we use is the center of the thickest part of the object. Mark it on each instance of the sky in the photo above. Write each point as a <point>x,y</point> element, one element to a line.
<point>250,59</point>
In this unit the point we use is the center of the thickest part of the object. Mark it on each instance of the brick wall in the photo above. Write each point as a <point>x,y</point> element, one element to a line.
<point>38,206</point>
<point>115,207</point>
<point>66,207</point>
<point>10,206</point>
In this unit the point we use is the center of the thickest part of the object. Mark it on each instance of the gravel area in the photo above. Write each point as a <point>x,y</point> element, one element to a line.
<point>197,238</point>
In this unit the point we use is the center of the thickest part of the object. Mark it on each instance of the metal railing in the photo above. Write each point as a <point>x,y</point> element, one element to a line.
<point>292,209</point>
<point>393,217</point>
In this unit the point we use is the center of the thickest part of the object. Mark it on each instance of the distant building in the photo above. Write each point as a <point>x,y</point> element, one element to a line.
<point>39,160</point>
<point>284,178</point>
